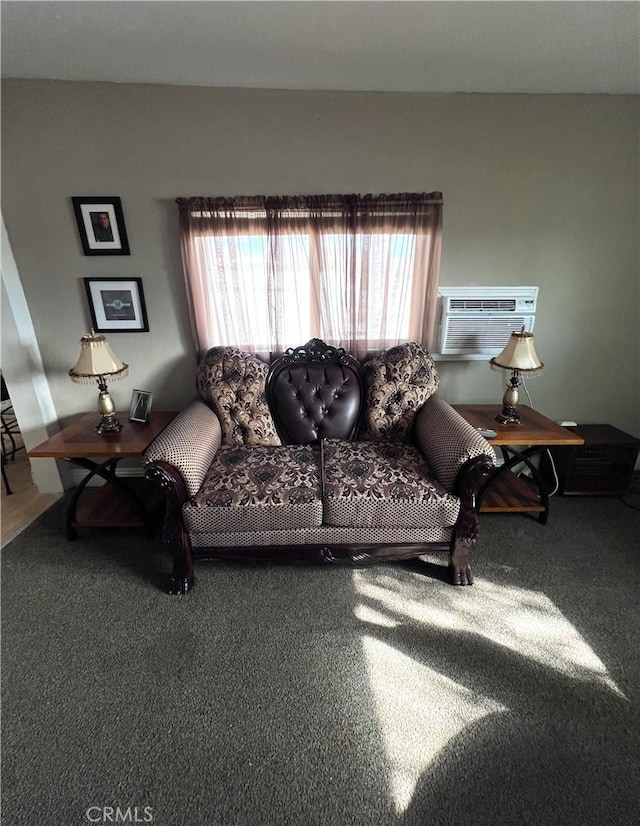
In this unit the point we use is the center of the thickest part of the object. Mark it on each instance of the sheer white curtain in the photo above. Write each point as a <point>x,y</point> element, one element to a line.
<point>267,273</point>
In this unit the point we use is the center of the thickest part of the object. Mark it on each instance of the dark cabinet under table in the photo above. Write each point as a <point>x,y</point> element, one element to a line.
<point>603,465</point>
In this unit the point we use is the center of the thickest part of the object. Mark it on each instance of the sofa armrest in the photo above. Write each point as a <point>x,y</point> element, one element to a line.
<point>188,444</point>
<point>448,441</point>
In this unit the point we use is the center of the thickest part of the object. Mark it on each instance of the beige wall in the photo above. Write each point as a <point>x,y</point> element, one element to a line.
<point>538,190</point>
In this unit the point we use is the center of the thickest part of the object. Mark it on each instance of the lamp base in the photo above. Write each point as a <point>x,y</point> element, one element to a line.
<point>509,415</point>
<point>108,424</point>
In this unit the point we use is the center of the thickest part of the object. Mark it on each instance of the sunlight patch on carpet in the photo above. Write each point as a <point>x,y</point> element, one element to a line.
<point>382,618</point>
<point>419,711</point>
<point>523,621</point>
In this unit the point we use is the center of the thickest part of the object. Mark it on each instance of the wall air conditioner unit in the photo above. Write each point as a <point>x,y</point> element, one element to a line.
<point>477,321</point>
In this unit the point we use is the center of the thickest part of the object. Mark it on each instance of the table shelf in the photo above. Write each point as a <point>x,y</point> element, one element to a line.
<point>511,494</point>
<point>104,506</point>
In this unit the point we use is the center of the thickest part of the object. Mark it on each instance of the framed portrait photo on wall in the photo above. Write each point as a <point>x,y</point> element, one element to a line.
<point>117,305</point>
<point>101,225</point>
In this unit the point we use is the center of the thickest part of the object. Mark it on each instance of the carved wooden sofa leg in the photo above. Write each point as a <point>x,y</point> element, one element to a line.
<point>466,530</point>
<point>182,578</point>
<point>459,565</point>
<point>173,533</point>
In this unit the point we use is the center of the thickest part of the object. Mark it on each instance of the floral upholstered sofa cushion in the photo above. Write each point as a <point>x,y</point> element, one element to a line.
<point>384,484</point>
<point>258,488</point>
<point>397,383</point>
<point>233,383</point>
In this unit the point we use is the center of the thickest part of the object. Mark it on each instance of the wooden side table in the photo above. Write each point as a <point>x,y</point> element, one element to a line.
<point>118,503</point>
<point>504,492</point>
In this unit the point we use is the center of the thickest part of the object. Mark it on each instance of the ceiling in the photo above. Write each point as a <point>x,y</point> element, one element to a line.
<point>482,46</point>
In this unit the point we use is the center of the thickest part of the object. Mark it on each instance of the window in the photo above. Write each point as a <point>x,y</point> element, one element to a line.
<point>264,274</point>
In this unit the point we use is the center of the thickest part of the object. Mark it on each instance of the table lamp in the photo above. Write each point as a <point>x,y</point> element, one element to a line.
<point>97,362</point>
<point>519,356</point>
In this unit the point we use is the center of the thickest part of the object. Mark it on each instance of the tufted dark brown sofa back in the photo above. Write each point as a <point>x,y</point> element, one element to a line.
<point>315,392</point>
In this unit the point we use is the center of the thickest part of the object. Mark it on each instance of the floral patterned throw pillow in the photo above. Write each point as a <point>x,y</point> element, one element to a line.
<point>233,383</point>
<point>397,383</point>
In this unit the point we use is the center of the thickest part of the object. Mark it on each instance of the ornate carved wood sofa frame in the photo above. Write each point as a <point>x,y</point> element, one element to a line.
<point>320,457</point>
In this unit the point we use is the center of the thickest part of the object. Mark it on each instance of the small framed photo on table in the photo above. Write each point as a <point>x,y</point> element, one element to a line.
<point>140,409</point>
<point>101,225</point>
<point>117,305</point>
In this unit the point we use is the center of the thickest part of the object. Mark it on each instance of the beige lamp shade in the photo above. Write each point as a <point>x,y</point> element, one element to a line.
<point>97,359</point>
<point>519,354</point>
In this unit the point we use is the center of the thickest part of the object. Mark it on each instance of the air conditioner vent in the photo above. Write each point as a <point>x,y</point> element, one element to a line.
<point>479,320</point>
<point>484,304</point>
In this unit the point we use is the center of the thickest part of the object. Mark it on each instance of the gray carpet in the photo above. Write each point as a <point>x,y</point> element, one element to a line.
<point>326,695</point>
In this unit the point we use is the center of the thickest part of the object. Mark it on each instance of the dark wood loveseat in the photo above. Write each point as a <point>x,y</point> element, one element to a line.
<point>318,456</point>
